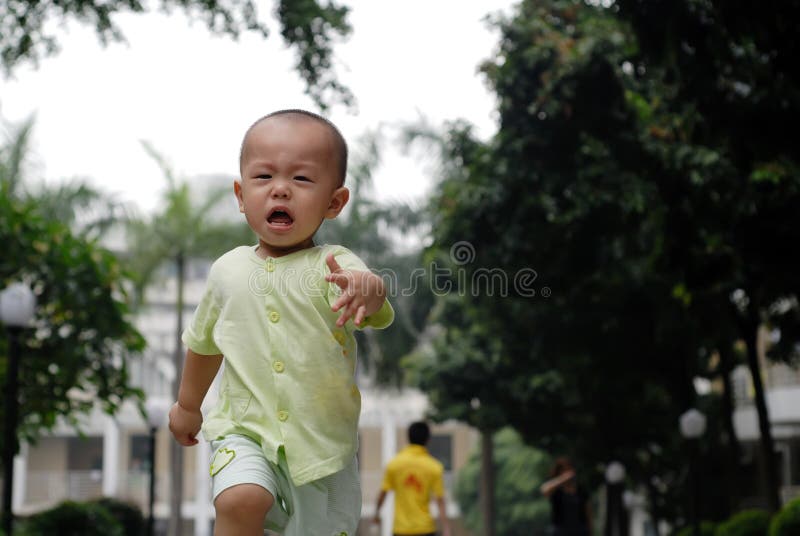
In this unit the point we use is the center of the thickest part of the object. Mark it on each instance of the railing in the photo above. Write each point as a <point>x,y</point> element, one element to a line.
<point>47,488</point>
<point>789,492</point>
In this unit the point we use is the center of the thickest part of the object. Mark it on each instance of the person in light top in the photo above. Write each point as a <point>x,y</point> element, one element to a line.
<point>281,315</point>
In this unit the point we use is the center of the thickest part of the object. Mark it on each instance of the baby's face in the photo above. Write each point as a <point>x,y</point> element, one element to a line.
<point>289,182</point>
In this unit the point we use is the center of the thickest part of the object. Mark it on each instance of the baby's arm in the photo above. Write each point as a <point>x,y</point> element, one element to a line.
<point>364,292</point>
<point>185,417</point>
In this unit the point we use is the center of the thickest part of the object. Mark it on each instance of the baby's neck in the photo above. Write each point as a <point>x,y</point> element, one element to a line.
<point>265,250</point>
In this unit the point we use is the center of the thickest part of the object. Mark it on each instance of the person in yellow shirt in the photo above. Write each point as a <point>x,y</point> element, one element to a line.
<point>281,315</point>
<point>415,477</point>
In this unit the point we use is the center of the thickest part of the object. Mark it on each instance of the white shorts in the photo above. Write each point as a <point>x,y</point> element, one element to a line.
<point>330,506</point>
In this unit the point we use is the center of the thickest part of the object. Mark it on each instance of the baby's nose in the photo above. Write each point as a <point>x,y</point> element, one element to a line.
<point>281,190</point>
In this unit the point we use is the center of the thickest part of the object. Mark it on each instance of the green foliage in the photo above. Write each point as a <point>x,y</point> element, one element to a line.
<point>76,355</point>
<point>72,519</point>
<point>26,30</point>
<point>707,528</point>
<point>128,515</point>
<point>520,508</point>
<point>787,521</point>
<point>311,28</point>
<point>745,523</point>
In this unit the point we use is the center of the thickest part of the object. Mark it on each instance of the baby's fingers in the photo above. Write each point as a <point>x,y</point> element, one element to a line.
<point>187,440</point>
<point>340,279</point>
<point>360,314</point>
<point>333,266</point>
<point>347,314</point>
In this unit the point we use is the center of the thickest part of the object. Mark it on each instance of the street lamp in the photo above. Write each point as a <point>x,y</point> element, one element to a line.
<point>693,425</point>
<point>17,304</point>
<point>156,415</point>
<point>616,518</point>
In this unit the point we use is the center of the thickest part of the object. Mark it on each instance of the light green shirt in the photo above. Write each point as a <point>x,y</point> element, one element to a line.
<point>288,376</point>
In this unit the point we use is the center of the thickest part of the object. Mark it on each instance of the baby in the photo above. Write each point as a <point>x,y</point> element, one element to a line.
<point>281,315</point>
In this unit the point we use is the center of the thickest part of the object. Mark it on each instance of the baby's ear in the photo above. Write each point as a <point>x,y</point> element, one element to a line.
<point>237,191</point>
<point>339,199</point>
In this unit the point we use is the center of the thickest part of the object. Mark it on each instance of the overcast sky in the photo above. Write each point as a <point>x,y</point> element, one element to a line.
<point>192,95</point>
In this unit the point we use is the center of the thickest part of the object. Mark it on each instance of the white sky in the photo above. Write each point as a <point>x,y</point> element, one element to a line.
<point>193,95</point>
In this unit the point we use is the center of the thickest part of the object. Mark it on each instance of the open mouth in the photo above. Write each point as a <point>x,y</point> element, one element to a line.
<point>280,217</point>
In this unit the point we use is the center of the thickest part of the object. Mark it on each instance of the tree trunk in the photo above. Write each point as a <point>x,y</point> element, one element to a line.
<point>767,442</point>
<point>176,451</point>
<point>487,482</point>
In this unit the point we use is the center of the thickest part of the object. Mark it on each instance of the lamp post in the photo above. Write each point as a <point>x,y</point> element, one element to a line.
<point>693,425</point>
<point>156,414</point>
<point>616,518</point>
<point>17,304</point>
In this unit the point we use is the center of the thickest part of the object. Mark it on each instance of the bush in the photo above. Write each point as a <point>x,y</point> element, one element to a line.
<point>787,521</point>
<point>745,523</point>
<point>127,515</point>
<point>72,519</point>
<point>707,528</point>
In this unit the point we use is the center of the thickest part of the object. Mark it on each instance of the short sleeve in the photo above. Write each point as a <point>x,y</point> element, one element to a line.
<point>350,261</point>
<point>199,334</point>
<point>386,484</point>
<point>438,484</point>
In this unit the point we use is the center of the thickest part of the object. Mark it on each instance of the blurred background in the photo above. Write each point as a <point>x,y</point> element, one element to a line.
<point>583,210</point>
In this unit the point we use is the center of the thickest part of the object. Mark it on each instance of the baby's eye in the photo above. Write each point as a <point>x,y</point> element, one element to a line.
<point>302,178</point>
<point>263,176</point>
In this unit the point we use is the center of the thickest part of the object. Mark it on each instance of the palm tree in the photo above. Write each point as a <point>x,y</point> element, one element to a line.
<point>179,231</point>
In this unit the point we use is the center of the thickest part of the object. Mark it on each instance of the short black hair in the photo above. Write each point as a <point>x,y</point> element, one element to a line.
<point>338,139</point>
<point>419,433</point>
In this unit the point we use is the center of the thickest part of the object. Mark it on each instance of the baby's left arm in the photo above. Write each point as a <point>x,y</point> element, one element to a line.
<point>363,292</point>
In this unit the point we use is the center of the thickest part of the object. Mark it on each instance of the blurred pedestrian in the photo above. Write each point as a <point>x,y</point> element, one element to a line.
<point>570,512</point>
<point>414,476</point>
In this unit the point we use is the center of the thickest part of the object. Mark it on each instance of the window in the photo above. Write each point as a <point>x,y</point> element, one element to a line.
<point>441,447</point>
<point>85,453</point>
<point>140,453</point>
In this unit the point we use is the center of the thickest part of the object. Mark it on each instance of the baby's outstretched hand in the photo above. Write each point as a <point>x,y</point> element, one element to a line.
<point>363,292</point>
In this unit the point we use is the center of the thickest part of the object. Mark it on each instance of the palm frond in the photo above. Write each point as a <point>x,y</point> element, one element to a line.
<point>13,154</point>
<point>163,164</point>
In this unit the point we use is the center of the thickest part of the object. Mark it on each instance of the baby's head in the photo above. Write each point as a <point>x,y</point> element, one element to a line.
<point>340,145</point>
<point>293,165</point>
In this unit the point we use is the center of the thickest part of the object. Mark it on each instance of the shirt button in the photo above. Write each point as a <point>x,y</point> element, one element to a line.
<point>278,366</point>
<point>270,265</point>
<point>274,316</point>
<point>283,415</point>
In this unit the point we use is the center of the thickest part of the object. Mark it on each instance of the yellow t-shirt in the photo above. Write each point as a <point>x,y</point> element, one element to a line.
<point>288,377</point>
<point>414,476</point>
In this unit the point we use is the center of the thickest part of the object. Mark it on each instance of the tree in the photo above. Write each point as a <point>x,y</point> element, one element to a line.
<point>76,356</point>
<point>183,229</point>
<point>307,25</point>
<point>605,187</point>
<point>77,353</point>
<point>730,72</point>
